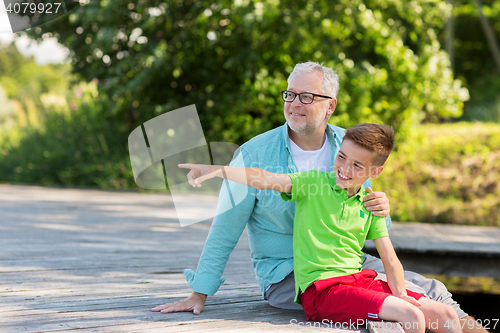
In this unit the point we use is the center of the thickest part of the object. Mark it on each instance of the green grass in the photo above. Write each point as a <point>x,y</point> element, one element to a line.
<point>457,284</point>
<point>447,173</point>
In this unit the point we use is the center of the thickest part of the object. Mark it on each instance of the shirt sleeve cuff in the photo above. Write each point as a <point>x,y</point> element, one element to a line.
<point>286,196</point>
<point>203,283</point>
<point>388,222</point>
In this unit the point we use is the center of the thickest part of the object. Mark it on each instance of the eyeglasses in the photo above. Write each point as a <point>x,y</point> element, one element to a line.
<point>305,97</point>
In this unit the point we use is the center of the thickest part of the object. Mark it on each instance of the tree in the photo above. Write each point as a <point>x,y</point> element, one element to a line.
<point>231,59</point>
<point>472,42</point>
<point>26,84</point>
<point>474,52</point>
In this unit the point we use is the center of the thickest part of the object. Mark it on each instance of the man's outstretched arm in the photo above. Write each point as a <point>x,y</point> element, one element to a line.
<point>225,231</point>
<point>223,236</point>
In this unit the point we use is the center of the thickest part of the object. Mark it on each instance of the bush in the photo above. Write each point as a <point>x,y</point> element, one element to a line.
<point>80,147</point>
<point>231,59</point>
<point>484,104</point>
<point>446,174</point>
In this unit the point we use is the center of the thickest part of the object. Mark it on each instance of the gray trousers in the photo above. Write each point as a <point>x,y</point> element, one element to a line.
<point>281,295</point>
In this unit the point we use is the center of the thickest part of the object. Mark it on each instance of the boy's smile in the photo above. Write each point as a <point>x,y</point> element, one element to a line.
<point>353,166</point>
<point>341,176</point>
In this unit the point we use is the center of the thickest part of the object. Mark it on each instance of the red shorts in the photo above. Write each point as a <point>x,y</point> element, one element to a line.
<point>347,299</point>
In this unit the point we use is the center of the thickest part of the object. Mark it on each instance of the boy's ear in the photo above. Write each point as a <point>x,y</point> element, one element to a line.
<point>376,171</point>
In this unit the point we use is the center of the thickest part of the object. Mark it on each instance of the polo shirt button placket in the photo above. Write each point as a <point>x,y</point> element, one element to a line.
<point>342,218</point>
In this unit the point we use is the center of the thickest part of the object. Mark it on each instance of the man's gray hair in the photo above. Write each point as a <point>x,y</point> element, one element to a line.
<point>330,86</point>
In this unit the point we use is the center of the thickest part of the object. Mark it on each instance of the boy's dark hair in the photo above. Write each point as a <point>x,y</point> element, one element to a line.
<point>376,138</point>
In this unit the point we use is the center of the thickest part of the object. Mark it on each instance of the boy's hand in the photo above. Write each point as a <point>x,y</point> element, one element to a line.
<point>411,300</point>
<point>199,172</point>
<point>377,203</point>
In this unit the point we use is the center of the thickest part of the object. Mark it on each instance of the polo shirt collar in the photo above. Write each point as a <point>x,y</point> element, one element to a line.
<point>285,137</point>
<point>331,135</point>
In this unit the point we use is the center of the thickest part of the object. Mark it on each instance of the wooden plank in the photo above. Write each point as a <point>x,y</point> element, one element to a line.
<point>98,261</point>
<point>130,303</point>
<point>249,311</point>
<point>73,260</point>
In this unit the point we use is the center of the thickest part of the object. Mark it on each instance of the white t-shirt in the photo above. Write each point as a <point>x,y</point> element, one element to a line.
<point>307,160</point>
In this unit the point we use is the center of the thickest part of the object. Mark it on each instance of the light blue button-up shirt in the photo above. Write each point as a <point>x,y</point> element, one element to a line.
<point>268,218</point>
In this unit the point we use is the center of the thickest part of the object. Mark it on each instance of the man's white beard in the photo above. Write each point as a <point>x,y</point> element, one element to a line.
<point>305,128</point>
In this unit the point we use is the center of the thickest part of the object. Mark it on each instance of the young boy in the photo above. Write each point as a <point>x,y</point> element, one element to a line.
<point>330,228</point>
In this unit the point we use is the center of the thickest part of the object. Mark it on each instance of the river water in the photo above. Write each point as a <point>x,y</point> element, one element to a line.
<point>484,307</point>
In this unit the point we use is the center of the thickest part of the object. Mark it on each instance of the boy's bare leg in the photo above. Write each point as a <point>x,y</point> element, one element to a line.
<point>470,325</point>
<point>439,317</point>
<point>435,316</point>
<point>396,309</point>
<point>432,288</point>
<point>437,291</point>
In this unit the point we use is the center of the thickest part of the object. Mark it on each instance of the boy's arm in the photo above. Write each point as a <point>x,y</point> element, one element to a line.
<point>393,269</point>
<point>253,177</point>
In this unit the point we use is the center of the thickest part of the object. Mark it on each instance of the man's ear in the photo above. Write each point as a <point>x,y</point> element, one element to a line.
<point>376,171</point>
<point>331,106</point>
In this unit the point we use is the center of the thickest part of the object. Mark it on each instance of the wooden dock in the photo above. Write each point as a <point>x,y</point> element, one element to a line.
<point>98,261</point>
<point>75,260</point>
<point>443,249</point>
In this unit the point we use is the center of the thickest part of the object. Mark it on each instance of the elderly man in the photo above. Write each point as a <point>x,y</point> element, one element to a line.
<point>306,141</point>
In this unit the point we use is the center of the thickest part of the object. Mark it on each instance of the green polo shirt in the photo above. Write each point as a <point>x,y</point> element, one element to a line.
<point>329,228</point>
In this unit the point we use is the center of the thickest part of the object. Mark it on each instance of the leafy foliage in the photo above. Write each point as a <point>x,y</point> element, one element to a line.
<point>474,63</point>
<point>51,134</point>
<point>472,54</point>
<point>449,174</point>
<point>231,59</point>
<point>31,90</point>
<point>72,147</point>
